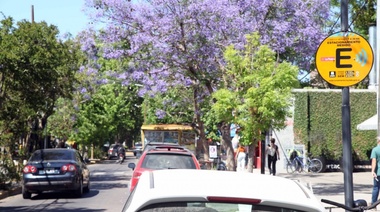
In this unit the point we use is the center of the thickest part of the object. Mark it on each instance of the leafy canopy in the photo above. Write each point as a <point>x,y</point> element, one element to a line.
<point>260,96</point>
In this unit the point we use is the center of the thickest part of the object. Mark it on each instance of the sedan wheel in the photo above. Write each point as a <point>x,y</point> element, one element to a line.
<point>26,194</point>
<point>79,192</point>
<point>87,188</point>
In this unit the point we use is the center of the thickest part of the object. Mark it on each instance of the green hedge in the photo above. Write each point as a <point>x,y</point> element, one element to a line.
<point>321,111</point>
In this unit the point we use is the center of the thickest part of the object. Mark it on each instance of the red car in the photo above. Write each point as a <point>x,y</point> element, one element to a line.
<point>163,157</point>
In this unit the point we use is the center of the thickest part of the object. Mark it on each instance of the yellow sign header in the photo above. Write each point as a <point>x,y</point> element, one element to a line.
<point>344,59</point>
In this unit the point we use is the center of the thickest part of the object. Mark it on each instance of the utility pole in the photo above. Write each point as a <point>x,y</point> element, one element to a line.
<point>32,14</point>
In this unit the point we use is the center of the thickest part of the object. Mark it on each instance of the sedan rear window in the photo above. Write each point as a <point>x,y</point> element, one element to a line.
<point>168,161</point>
<point>51,155</point>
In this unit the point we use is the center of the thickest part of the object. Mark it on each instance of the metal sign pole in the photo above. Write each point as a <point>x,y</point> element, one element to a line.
<point>346,124</point>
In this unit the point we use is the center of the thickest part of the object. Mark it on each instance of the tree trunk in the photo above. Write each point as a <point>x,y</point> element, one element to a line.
<point>201,129</point>
<point>227,145</point>
<point>251,156</point>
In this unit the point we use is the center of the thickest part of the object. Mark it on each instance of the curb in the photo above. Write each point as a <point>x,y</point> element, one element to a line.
<point>11,192</point>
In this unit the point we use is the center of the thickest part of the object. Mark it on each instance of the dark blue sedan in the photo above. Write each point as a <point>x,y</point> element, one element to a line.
<point>55,170</point>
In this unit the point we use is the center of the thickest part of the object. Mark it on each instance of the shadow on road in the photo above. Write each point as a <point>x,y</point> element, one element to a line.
<point>338,189</point>
<point>63,195</point>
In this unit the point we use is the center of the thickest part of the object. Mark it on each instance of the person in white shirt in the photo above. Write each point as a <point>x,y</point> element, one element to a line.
<point>273,156</point>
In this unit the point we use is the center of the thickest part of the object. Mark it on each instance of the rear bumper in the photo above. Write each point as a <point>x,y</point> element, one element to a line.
<point>50,182</point>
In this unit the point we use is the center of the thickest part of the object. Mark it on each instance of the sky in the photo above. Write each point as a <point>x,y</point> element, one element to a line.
<point>67,15</point>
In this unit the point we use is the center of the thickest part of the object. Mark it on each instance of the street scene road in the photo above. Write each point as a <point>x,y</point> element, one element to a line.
<point>108,192</point>
<point>109,189</point>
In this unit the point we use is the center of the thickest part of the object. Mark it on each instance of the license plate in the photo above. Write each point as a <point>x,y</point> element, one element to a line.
<point>115,154</point>
<point>49,171</point>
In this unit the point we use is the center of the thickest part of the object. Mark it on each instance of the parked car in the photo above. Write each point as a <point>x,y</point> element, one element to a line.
<point>112,151</point>
<point>55,170</point>
<point>206,190</point>
<point>162,157</point>
<point>137,149</point>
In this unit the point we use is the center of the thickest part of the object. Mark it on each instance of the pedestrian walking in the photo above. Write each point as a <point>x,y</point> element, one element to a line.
<point>375,171</point>
<point>235,141</point>
<point>240,158</point>
<point>273,156</point>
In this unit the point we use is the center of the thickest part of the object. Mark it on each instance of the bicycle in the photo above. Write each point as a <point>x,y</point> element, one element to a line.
<point>296,164</point>
<point>358,205</point>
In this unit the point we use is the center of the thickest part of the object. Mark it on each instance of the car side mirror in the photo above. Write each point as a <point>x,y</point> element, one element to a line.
<point>87,161</point>
<point>132,166</point>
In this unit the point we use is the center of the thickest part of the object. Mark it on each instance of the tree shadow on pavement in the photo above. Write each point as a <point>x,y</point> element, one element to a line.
<point>338,189</point>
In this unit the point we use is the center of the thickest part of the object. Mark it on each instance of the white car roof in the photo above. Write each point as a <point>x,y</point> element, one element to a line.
<point>160,185</point>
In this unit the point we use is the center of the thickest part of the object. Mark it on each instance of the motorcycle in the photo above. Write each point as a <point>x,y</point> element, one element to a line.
<point>121,158</point>
<point>219,164</point>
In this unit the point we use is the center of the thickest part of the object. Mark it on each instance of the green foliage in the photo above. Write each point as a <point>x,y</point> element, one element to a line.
<point>98,153</point>
<point>60,123</point>
<point>258,92</point>
<point>8,171</point>
<point>362,14</point>
<point>36,69</point>
<point>321,111</point>
<point>175,106</point>
<point>110,115</point>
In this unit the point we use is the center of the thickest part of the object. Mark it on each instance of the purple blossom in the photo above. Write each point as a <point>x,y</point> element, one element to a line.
<point>182,42</point>
<point>81,69</point>
<point>160,114</point>
<point>125,83</point>
<point>91,71</point>
<point>142,92</point>
<point>83,90</point>
<point>86,97</point>
<point>102,81</point>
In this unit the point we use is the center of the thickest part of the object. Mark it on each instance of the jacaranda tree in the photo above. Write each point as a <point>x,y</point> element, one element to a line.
<point>182,41</point>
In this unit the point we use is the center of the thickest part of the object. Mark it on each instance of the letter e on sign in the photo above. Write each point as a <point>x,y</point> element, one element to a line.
<point>344,59</point>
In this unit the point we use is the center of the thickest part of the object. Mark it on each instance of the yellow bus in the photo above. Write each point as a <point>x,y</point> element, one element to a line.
<point>183,135</point>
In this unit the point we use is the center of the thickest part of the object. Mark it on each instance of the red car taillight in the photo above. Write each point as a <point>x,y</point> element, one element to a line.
<point>68,168</point>
<point>134,180</point>
<point>136,174</point>
<point>29,169</point>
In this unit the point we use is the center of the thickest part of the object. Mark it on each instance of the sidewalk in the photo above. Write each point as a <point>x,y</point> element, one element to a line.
<point>330,185</point>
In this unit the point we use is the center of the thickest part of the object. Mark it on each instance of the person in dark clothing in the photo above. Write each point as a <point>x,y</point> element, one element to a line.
<point>273,156</point>
<point>120,150</point>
